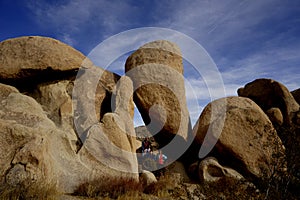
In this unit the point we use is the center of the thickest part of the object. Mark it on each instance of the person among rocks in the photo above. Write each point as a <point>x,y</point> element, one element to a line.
<point>146,146</point>
<point>161,158</point>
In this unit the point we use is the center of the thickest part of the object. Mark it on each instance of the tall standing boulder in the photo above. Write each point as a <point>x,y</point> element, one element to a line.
<point>268,93</point>
<point>157,73</point>
<point>244,135</point>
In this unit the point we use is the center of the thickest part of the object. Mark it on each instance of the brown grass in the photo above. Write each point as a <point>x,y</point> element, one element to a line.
<point>112,188</point>
<point>25,191</point>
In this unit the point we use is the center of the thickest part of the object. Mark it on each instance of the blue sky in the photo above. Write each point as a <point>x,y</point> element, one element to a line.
<point>247,39</point>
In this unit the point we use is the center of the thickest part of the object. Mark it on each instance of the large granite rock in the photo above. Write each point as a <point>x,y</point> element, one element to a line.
<point>32,56</point>
<point>157,73</point>
<point>244,135</point>
<point>268,93</point>
<point>33,149</point>
<point>46,69</point>
<point>68,134</point>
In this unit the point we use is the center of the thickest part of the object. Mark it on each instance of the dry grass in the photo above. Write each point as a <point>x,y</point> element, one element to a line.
<point>111,189</point>
<point>127,189</point>
<point>165,187</point>
<point>25,191</point>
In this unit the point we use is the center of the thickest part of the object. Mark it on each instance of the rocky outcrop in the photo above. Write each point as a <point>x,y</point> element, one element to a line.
<point>65,123</point>
<point>157,73</point>
<point>244,136</point>
<point>46,69</point>
<point>39,151</point>
<point>210,170</point>
<point>268,93</point>
<point>76,129</point>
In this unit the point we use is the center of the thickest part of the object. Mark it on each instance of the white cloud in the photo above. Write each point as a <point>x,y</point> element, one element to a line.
<point>278,63</point>
<point>240,36</point>
<point>77,17</point>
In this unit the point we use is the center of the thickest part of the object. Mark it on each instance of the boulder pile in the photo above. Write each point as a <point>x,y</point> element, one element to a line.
<point>55,129</point>
<point>66,122</point>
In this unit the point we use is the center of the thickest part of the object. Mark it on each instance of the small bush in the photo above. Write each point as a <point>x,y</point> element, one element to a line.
<point>25,191</point>
<point>112,188</point>
<point>168,186</point>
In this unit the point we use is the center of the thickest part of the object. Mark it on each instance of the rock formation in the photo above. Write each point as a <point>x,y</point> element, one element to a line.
<point>246,139</point>
<point>65,122</point>
<point>157,73</point>
<point>66,134</point>
<point>268,93</point>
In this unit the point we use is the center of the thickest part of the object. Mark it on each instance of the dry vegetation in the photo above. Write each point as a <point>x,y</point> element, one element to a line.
<point>169,186</point>
<point>25,191</point>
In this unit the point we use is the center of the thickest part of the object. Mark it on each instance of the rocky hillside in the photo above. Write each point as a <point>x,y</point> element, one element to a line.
<point>66,130</point>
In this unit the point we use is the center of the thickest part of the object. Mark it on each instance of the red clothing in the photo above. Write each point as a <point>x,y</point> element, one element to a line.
<point>160,159</point>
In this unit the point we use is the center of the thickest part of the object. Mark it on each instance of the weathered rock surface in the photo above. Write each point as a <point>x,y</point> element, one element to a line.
<point>91,96</point>
<point>296,95</point>
<point>156,71</point>
<point>23,150</point>
<point>76,110</point>
<point>46,69</point>
<point>275,116</point>
<point>29,56</point>
<point>33,148</point>
<point>56,100</point>
<point>42,139</point>
<point>246,139</point>
<point>268,93</point>
<point>210,170</point>
<point>115,135</point>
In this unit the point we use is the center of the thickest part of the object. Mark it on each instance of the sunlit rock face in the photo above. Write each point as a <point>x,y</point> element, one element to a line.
<point>241,135</point>
<point>268,93</point>
<point>156,70</point>
<point>55,129</point>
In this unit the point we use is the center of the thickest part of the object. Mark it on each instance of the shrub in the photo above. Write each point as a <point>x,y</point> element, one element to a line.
<point>112,188</point>
<point>28,190</point>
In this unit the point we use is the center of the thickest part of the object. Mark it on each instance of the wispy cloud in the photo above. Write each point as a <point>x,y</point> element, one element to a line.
<point>83,20</point>
<point>246,39</point>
